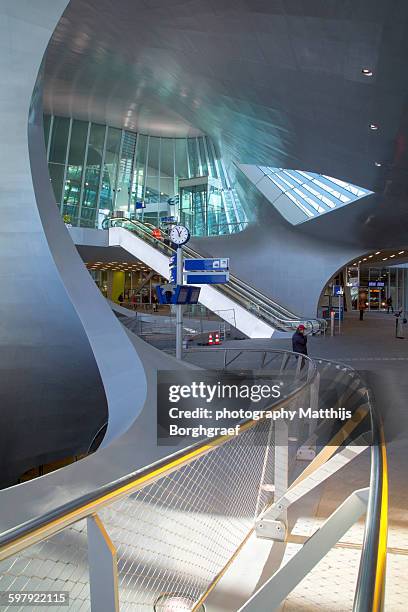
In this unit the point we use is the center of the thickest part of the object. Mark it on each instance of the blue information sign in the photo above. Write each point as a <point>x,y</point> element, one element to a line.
<point>173,269</point>
<point>208,279</point>
<point>173,275</point>
<point>376,284</point>
<point>177,294</point>
<point>338,290</point>
<point>207,265</point>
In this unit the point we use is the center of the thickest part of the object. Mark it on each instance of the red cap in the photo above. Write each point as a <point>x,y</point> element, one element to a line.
<point>301,327</point>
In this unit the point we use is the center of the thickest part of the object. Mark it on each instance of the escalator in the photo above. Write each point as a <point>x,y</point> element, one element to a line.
<point>242,305</point>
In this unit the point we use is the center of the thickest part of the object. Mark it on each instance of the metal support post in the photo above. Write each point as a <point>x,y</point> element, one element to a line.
<point>275,528</point>
<point>307,452</point>
<point>179,307</point>
<point>103,568</point>
<point>340,309</point>
<point>278,587</point>
<point>281,458</point>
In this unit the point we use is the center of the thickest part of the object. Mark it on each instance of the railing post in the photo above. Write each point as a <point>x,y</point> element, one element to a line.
<point>281,459</point>
<point>275,528</point>
<point>103,568</point>
<point>300,360</point>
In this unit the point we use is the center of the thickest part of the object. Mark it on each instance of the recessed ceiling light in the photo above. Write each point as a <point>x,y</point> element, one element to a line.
<point>401,252</point>
<point>392,256</point>
<point>370,256</point>
<point>385,258</point>
<point>378,164</point>
<point>374,126</point>
<point>378,252</point>
<point>359,261</point>
<point>365,259</point>
<point>367,72</point>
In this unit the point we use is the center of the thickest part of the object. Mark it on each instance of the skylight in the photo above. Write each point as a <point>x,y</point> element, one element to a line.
<point>312,194</point>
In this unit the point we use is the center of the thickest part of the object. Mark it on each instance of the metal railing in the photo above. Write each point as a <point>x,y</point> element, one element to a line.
<point>244,294</point>
<point>370,590</point>
<point>370,587</point>
<point>175,526</point>
<point>172,525</point>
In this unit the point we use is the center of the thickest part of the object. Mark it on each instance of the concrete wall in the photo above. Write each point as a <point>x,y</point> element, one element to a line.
<point>64,359</point>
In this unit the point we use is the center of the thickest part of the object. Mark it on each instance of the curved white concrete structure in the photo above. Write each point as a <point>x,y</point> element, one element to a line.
<point>62,350</point>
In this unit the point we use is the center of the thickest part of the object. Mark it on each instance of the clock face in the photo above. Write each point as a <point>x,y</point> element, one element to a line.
<point>179,234</point>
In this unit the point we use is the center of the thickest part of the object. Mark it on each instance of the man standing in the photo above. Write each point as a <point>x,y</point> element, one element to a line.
<point>299,341</point>
<point>390,305</point>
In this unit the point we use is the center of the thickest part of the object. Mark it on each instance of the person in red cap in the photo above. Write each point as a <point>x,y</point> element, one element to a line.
<point>299,341</point>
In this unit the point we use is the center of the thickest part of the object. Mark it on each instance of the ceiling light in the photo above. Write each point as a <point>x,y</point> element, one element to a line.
<point>367,72</point>
<point>365,259</point>
<point>401,252</point>
<point>392,256</point>
<point>359,261</point>
<point>385,258</point>
<point>378,164</point>
<point>370,256</point>
<point>374,126</point>
<point>378,252</point>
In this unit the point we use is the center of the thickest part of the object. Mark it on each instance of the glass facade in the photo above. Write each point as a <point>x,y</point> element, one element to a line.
<point>201,207</point>
<point>97,169</point>
<point>381,283</point>
<point>313,194</point>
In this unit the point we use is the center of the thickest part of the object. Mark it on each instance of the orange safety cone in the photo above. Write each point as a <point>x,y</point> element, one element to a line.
<point>210,339</point>
<point>217,338</point>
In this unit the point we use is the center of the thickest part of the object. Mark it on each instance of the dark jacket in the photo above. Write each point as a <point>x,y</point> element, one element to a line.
<point>299,343</point>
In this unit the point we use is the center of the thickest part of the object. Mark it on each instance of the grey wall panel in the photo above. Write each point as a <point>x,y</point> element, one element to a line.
<point>53,340</point>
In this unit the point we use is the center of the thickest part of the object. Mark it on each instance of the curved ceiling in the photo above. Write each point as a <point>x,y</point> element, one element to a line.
<point>273,82</point>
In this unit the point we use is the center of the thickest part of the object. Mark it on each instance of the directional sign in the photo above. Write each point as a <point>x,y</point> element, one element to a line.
<point>209,278</point>
<point>207,265</point>
<point>338,290</point>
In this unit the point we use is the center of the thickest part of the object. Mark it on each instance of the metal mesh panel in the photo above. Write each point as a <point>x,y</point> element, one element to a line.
<point>176,535</point>
<point>57,564</point>
<point>172,536</point>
